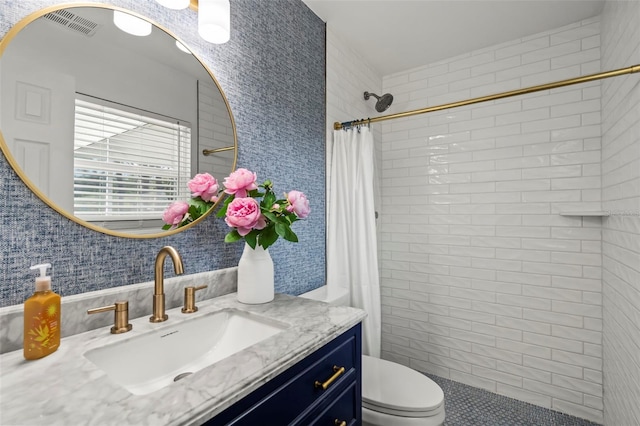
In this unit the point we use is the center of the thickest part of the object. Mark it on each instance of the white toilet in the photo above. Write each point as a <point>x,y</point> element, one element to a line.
<point>392,394</point>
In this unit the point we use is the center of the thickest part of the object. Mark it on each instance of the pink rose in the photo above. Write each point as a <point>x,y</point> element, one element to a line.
<point>239,182</point>
<point>298,203</point>
<point>205,186</point>
<point>244,215</point>
<point>175,213</point>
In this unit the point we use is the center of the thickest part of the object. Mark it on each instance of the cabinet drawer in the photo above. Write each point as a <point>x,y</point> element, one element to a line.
<point>299,392</point>
<point>284,398</point>
<point>341,409</point>
<point>330,371</point>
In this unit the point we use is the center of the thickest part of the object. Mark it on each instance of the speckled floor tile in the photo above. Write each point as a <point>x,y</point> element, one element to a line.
<point>467,405</point>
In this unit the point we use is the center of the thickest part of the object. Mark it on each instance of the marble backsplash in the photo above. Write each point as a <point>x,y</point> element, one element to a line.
<point>74,315</point>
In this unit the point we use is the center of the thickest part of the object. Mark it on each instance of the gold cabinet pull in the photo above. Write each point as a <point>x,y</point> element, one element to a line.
<point>337,372</point>
<point>337,422</point>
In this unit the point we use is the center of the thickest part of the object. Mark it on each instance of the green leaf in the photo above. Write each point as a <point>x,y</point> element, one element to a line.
<point>194,212</point>
<point>166,227</point>
<point>270,215</point>
<point>223,210</point>
<point>268,236</point>
<point>232,236</point>
<point>251,238</point>
<point>268,200</point>
<point>200,204</point>
<point>290,235</point>
<point>281,229</point>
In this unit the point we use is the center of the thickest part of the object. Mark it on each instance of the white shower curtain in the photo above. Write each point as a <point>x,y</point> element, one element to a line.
<point>352,254</point>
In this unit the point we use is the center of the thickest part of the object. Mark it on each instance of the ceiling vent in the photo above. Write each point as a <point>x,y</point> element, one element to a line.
<point>73,22</point>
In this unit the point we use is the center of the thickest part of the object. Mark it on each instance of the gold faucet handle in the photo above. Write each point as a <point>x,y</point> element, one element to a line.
<point>190,299</point>
<point>121,316</point>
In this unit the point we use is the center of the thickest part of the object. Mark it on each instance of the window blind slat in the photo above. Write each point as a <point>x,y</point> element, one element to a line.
<point>128,165</point>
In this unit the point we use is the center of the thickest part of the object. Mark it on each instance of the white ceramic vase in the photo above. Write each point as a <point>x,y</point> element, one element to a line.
<point>255,276</point>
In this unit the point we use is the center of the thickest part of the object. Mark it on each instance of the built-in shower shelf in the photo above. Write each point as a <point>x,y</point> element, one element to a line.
<point>578,213</point>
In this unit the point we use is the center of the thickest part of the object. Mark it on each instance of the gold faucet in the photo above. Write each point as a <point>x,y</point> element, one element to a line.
<point>158,290</point>
<point>121,317</point>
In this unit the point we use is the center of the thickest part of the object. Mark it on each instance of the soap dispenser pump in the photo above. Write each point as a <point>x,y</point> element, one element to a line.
<point>41,318</point>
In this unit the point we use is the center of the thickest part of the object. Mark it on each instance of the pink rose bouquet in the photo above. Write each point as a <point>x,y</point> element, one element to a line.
<point>260,223</point>
<point>251,210</point>
<point>204,194</point>
<point>244,214</point>
<point>205,186</point>
<point>175,213</point>
<point>238,183</point>
<point>298,204</point>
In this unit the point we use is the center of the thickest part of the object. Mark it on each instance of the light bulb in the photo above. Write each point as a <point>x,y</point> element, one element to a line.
<point>214,20</point>
<point>182,47</point>
<point>131,24</point>
<point>174,4</point>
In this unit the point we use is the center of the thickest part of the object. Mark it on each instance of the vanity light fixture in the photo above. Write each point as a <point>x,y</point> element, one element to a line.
<point>214,17</point>
<point>214,20</point>
<point>182,47</point>
<point>175,4</point>
<point>131,24</point>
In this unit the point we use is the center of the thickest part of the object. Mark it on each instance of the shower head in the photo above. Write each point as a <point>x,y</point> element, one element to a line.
<point>384,101</point>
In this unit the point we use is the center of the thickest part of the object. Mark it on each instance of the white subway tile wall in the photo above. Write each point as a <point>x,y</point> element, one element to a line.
<point>621,230</point>
<point>483,282</point>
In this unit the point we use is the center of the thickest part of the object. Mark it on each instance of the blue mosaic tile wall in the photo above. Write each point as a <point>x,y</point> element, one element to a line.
<point>273,74</point>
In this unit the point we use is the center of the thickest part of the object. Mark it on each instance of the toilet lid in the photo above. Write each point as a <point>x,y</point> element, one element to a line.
<point>392,388</point>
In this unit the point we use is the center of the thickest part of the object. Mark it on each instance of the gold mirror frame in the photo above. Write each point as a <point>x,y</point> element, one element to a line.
<point>4,42</point>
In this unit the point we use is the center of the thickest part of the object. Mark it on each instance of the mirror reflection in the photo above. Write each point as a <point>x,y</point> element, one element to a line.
<point>106,126</point>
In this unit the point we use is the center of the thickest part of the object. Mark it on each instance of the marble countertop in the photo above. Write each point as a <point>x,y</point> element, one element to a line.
<point>66,388</point>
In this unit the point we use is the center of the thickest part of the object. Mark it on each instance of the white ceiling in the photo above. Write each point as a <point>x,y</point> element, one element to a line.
<point>397,35</point>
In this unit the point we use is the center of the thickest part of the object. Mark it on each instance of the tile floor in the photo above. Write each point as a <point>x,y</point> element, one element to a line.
<point>469,406</point>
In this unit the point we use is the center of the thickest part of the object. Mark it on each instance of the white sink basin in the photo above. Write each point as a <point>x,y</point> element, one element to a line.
<point>148,362</point>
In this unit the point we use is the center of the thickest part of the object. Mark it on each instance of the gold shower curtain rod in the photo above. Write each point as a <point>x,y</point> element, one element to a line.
<point>585,79</point>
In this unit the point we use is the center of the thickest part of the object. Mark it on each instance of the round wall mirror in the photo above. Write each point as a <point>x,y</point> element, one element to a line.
<point>105,126</point>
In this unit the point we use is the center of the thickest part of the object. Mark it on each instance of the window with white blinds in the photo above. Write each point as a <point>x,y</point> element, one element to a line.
<point>127,164</point>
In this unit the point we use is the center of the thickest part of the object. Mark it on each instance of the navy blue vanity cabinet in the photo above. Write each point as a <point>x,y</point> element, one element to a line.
<point>338,410</point>
<point>320,389</point>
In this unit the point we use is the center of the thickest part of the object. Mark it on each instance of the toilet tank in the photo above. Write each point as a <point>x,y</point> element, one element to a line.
<point>335,295</point>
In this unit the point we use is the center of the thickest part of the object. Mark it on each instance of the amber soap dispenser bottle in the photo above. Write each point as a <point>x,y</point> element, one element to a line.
<point>41,318</point>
